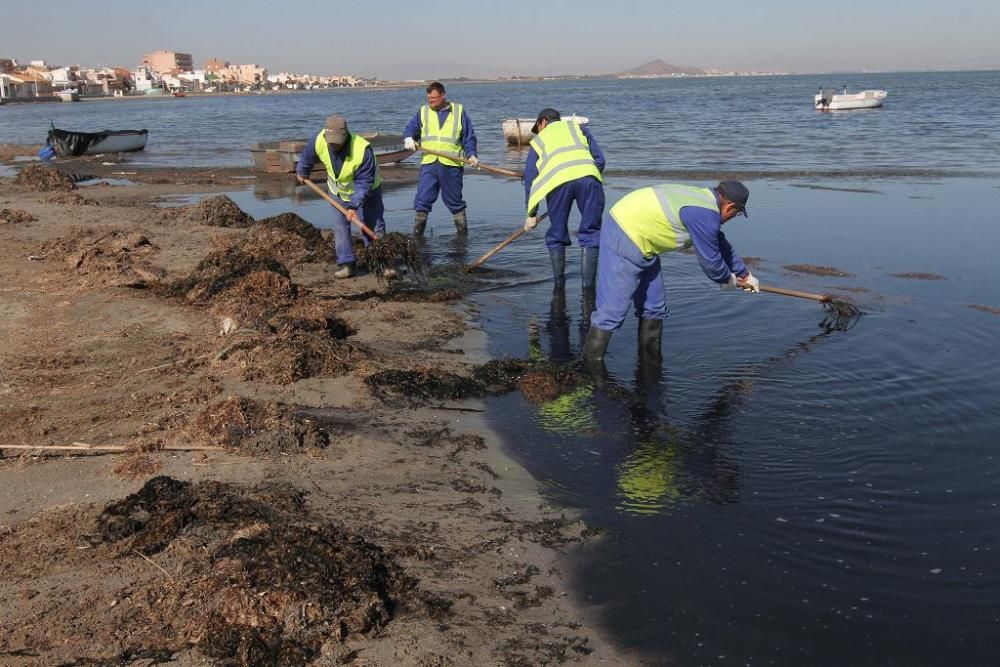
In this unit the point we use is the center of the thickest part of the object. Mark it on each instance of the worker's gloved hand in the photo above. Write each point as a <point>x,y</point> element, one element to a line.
<point>731,283</point>
<point>409,144</point>
<point>749,283</point>
<point>473,161</point>
<point>530,223</point>
<point>300,178</point>
<point>352,215</point>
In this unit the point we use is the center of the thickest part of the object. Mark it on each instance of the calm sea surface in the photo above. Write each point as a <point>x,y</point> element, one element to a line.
<point>777,493</point>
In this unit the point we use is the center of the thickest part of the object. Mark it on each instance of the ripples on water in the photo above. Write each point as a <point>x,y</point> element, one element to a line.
<point>749,125</point>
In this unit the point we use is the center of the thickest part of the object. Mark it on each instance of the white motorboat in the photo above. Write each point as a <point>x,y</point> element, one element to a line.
<point>829,99</point>
<point>517,131</point>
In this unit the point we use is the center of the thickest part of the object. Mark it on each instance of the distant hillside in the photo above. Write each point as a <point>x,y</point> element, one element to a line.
<point>659,68</point>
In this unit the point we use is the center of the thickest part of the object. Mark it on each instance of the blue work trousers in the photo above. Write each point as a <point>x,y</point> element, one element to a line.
<point>434,178</point>
<point>626,278</point>
<point>372,213</point>
<point>588,193</point>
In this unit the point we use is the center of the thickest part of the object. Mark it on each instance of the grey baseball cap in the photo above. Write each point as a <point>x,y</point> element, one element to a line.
<point>336,130</point>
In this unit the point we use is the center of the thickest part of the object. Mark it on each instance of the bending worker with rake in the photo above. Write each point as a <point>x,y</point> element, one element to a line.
<point>565,165</point>
<point>352,175</point>
<point>642,225</point>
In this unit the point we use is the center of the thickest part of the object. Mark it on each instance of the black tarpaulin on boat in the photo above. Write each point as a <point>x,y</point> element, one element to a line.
<point>69,143</point>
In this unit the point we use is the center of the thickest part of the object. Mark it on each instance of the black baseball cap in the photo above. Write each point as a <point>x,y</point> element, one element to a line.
<point>735,192</point>
<point>545,114</point>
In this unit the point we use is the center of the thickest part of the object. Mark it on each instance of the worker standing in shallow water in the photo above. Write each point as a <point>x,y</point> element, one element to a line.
<point>352,175</point>
<point>441,126</point>
<point>564,165</point>
<point>642,225</point>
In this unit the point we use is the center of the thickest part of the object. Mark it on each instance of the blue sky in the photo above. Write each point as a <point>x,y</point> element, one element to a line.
<point>438,38</point>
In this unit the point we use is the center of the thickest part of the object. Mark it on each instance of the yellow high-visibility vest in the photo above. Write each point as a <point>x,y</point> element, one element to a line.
<point>443,138</point>
<point>563,156</point>
<point>651,216</point>
<point>343,183</point>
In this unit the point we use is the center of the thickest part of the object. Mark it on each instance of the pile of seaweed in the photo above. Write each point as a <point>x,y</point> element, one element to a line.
<point>44,178</point>
<point>257,427</point>
<point>234,276</point>
<point>15,216</point>
<point>116,257</point>
<point>290,238</point>
<point>538,381</point>
<point>218,211</point>
<point>252,580</point>
<point>393,251</point>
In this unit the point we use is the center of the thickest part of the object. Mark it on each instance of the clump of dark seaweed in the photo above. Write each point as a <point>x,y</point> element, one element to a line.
<point>418,386</point>
<point>841,315</point>
<point>219,271</point>
<point>393,251</point>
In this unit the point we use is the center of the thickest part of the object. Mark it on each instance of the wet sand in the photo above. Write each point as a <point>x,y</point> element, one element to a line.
<point>258,385</point>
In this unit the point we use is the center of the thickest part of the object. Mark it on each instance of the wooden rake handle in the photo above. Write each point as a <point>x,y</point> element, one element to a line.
<point>503,244</point>
<point>824,298</point>
<point>486,167</point>
<point>340,207</point>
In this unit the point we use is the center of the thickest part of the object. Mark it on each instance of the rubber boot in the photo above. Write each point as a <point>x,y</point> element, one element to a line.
<point>650,341</point>
<point>461,223</point>
<point>558,257</point>
<point>596,345</point>
<point>345,271</point>
<point>588,267</point>
<point>419,223</point>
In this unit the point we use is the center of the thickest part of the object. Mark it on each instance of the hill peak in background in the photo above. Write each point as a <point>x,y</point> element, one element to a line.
<point>659,68</point>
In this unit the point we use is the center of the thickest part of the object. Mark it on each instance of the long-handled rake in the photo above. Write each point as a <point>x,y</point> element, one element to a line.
<point>841,314</point>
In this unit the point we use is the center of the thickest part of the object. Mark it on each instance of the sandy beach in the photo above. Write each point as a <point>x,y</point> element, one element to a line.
<point>280,497</point>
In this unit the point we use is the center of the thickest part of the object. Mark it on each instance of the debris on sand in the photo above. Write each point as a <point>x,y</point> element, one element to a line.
<point>289,357</point>
<point>418,386</point>
<point>502,375</point>
<point>419,295</point>
<point>72,199</point>
<point>225,269</point>
<point>116,257</point>
<point>43,178</point>
<point>289,238</point>
<point>137,465</point>
<point>814,270</point>
<point>15,216</point>
<point>242,575</point>
<point>257,428</point>
<point>307,314</point>
<point>218,211</point>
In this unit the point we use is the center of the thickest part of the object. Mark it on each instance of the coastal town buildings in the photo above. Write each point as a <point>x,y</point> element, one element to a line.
<point>168,61</point>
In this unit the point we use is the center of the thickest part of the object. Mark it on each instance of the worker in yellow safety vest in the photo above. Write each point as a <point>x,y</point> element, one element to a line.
<point>564,165</point>
<point>642,225</point>
<point>352,176</point>
<point>444,127</point>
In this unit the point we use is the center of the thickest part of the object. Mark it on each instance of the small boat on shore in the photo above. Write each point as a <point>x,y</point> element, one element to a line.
<point>517,131</point>
<point>67,143</point>
<point>829,99</point>
<point>280,157</point>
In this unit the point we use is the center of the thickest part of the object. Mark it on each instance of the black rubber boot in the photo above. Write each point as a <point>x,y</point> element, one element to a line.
<point>558,257</point>
<point>461,223</point>
<point>650,340</point>
<point>596,345</point>
<point>419,223</point>
<point>588,267</point>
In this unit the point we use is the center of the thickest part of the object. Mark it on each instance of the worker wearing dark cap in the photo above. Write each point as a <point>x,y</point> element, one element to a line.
<point>564,165</point>
<point>352,175</point>
<point>642,225</point>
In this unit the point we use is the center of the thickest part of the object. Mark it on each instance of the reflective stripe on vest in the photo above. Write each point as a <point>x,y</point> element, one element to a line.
<point>651,216</point>
<point>563,156</point>
<point>343,183</point>
<point>441,138</point>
